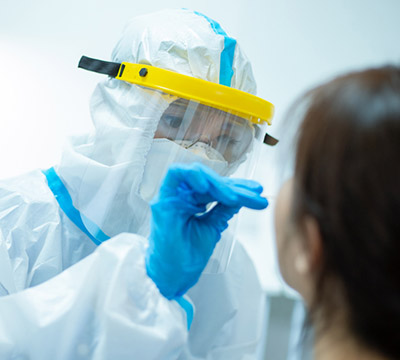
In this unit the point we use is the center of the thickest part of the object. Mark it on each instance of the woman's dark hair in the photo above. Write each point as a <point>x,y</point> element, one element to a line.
<point>347,177</point>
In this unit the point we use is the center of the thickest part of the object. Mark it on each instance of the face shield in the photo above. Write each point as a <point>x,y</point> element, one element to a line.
<point>177,119</point>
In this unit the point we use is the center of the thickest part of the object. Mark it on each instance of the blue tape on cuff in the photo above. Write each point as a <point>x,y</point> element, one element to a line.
<point>227,54</point>
<point>188,307</point>
<point>63,198</point>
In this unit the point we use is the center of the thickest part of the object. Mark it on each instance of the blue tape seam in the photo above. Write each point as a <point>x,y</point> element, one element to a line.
<point>188,307</point>
<point>63,198</point>
<point>227,54</point>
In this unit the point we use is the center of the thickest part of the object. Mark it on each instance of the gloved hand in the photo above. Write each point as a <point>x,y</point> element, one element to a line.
<point>183,234</point>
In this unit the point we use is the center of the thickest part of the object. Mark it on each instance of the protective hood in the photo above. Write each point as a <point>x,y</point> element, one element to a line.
<point>103,171</point>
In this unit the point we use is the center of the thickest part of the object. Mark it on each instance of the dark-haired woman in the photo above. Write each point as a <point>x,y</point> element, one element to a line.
<point>338,219</point>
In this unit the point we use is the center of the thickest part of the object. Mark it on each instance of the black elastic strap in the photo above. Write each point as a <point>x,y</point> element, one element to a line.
<point>99,66</point>
<point>270,140</point>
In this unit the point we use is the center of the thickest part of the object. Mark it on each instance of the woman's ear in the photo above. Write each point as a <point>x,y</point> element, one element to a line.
<point>313,239</point>
<point>308,256</point>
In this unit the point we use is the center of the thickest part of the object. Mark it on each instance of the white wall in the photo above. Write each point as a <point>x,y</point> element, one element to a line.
<point>293,45</point>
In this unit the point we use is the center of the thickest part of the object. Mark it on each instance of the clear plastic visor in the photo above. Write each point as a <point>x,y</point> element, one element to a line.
<point>192,132</point>
<point>137,139</point>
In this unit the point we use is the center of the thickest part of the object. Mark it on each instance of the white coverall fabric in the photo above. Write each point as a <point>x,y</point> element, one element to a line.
<point>91,311</point>
<point>105,306</point>
<point>95,308</point>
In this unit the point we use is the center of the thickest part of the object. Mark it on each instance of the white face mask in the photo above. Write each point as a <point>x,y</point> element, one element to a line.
<point>165,152</point>
<point>201,149</point>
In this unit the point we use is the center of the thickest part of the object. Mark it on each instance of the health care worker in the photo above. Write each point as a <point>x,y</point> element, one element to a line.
<point>179,90</point>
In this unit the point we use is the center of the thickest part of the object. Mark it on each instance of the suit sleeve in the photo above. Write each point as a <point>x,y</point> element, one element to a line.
<point>104,307</point>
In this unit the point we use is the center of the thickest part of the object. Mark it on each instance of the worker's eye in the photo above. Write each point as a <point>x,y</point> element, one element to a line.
<point>173,121</point>
<point>226,140</point>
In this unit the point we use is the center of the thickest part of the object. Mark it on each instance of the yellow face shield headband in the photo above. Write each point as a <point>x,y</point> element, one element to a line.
<point>236,102</point>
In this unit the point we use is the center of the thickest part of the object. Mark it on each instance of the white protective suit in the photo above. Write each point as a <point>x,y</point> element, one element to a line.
<point>62,296</point>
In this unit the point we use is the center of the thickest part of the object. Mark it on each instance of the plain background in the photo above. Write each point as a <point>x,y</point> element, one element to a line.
<point>293,45</point>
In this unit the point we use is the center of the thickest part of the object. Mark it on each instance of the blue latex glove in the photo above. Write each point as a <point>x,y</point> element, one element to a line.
<point>181,240</point>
